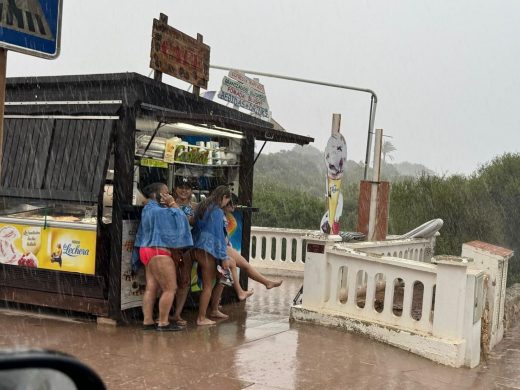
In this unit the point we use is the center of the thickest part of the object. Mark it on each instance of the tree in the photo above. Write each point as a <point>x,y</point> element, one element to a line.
<point>388,148</point>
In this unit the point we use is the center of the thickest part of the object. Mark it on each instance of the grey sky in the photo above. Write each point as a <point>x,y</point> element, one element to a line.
<point>446,73</point>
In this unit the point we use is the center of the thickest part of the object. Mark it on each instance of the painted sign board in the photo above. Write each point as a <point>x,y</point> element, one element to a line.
<point>179,55</point>
<point>244,92</point>
<point>31,27</point>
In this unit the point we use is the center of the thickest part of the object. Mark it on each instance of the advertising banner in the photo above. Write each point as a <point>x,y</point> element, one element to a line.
<point>132,285</point>
<point>59,249</point>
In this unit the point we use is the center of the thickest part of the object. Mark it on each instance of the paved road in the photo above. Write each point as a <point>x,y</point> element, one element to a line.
<point>257,349</point>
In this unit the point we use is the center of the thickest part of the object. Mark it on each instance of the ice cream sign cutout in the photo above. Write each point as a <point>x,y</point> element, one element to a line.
<point>335,159</point>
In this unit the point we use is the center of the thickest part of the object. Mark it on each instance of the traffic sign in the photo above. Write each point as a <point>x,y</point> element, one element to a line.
<point>31,26</point>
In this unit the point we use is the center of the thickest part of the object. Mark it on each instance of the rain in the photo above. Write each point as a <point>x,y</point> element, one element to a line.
<point>276,195</point>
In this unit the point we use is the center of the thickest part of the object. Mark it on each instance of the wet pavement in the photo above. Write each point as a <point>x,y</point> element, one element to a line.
<point>257,349</point>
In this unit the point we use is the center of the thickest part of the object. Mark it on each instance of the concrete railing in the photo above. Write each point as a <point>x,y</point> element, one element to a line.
<point>278,248</point>
<point>419,249</point>
<point>443,307</point>
<point>379,289</point>
<point>394,290</point>
<point>429,308</point>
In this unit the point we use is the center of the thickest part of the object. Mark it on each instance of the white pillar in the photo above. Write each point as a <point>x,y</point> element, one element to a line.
<point>316,278</point>
<point>450,297</point>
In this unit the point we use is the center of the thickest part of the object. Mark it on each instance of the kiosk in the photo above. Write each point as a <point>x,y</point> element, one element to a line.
<point>75,151</point>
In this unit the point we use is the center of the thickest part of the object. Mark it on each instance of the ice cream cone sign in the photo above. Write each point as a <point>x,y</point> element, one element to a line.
<point>335,159</point>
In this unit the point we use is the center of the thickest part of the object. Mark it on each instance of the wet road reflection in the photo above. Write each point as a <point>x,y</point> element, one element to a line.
<point>256,348</point>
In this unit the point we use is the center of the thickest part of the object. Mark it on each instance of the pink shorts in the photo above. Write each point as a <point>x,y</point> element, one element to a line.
<point>146,254</point>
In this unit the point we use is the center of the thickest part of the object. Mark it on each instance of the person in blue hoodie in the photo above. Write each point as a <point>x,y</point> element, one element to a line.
<point>163,233</point>
<point>210,246</point>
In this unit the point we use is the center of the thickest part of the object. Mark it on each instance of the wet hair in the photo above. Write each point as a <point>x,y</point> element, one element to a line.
<point>234,200</point>
<point>151,190</point>
<point>213,200</point>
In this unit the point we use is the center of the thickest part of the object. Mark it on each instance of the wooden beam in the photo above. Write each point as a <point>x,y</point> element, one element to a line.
<point>3,68</point>
<point>196,89</point>
<point>58,301</point>
<point>157,75</point>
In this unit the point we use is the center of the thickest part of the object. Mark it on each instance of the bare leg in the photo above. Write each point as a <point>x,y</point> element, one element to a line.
<point>149,297</point>
<point>163,270</point>
<point>180,300</point>
<point>236,282</point>
<point>251,272</point>
<point>184,289</point>
<point>207,264</point>
<point>215,299</point>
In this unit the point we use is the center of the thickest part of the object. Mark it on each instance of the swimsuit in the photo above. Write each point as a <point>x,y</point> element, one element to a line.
<point>146,254</point>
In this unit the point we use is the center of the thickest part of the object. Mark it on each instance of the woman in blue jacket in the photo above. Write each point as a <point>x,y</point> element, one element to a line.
<point>210,245</point>
<point>162,233</point>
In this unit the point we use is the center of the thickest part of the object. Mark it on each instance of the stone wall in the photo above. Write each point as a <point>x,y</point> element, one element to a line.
<point>512,306</point>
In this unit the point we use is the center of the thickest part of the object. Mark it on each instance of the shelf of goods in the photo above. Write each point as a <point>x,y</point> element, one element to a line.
<point>179,152</point>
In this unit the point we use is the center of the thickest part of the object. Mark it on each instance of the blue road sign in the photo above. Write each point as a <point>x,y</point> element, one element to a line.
<point>31,26</point>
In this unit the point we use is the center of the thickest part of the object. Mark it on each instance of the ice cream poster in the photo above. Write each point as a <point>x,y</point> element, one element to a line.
<point>335,159</point>
<point>48,248</point>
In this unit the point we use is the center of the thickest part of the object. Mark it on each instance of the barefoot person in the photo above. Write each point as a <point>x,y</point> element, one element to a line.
<point>209,242</point>
<point>237,260</point>
<point>162,233</point>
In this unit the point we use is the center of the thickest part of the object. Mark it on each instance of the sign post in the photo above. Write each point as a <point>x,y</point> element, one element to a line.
<point>30,27</point>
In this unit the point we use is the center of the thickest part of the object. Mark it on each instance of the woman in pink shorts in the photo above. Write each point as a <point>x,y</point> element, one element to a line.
<point>162,234</point>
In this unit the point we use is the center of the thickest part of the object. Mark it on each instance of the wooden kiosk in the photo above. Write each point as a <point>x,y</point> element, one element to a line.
<point>68,141</point>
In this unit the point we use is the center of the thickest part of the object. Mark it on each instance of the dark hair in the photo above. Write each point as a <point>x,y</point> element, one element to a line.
<point>185,181</point>
<point>151,190</point>
<point>212,200</point>
<point>234,200</point>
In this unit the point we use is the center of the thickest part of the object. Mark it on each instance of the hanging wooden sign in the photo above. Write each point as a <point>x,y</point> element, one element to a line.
<point>179,55</point>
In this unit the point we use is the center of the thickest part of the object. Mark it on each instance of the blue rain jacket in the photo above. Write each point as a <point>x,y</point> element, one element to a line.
<point>161,227</point>
<point>208,233</point>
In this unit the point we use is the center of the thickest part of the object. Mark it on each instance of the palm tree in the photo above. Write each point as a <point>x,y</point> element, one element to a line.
<point>388,148</point>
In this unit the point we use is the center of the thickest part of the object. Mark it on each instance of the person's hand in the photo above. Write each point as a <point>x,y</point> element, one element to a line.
<point>225,264</point>
<point>168,200</point>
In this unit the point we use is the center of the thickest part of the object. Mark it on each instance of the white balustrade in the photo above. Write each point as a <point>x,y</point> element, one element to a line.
<point>277,248</point>
<point>284,249</point>
<point>347,268</point>
<point>416,302</point>
<point>419,249</point>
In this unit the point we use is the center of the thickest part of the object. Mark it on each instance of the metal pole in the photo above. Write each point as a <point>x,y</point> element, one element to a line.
<point>372,219</point>
<point>373,102</point>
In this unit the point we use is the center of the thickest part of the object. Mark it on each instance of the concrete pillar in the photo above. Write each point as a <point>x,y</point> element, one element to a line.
<point>450,297</point>
<point>316,278</point>
<point>493,260</point>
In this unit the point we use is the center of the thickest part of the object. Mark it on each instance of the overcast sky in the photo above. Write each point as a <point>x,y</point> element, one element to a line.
<point>446,73</point>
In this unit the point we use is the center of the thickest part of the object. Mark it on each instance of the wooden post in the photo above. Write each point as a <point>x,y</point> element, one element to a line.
<point>196,89</point>
<point>3,68</point>
<point>157,76</point>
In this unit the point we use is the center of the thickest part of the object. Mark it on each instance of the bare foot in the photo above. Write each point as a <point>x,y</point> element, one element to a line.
<point>245,294</point>
<point>205,321</point>
<point>218,314</point>
<point>179,321</point>
<point>270,284</point>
